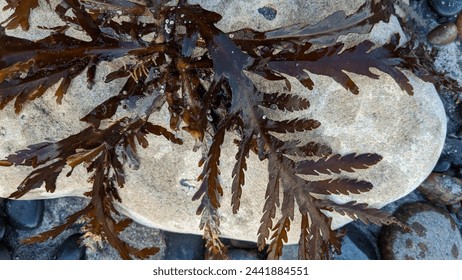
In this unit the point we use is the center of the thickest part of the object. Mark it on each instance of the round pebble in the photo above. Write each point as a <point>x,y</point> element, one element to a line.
<point>71,249</point>
<point>364,240</point>
<point>433,235</point>
<point>4,253</point>
<point>442,189</point>
<point>268,12</point>
<point>452,150</point>
<point>24,214</point>
<point>446,7</point>
<point>443,34</point>
<point>442,166</point>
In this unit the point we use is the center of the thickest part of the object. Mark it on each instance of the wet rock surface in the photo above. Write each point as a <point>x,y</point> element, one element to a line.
<point>66,245</point>
<point>442,189</point>
<point>443,34</point>
<point>433,235</point>
<point>183,246</point>
<point>24,214</point>
<point>71,249</point>
<point>446,7</point>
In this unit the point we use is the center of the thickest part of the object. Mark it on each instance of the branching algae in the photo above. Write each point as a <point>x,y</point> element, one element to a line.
<point>198,72</point>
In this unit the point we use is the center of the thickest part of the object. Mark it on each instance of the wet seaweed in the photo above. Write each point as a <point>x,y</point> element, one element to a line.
<point>199,73</point>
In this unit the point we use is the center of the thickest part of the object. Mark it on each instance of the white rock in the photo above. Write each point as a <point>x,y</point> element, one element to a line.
<point>408,131</point>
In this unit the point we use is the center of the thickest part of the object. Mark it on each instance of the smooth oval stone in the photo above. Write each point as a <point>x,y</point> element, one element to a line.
<point>4,253</point>
<point>71,249</point>
<point>442,189</point>
<point>452,151</point>
<point>442,166</point>
<point>443,34</point>
<point>364,242</point>
<point>24,214</point>
<point>433,235</point>
<point>446,7</point>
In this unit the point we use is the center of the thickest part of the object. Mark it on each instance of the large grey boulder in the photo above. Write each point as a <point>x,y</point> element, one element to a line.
<point>408,131</point>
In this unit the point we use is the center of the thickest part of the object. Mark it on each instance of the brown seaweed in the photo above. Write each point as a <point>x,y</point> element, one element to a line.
<point>198,72</point>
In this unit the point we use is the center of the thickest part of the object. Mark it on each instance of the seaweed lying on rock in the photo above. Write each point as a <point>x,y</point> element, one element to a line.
<point>201,75</point>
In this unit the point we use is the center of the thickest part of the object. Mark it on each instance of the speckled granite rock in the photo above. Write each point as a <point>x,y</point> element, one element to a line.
<point>408,131</point>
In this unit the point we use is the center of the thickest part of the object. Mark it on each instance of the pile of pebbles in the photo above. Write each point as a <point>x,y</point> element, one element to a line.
<point>433,212</point>
<point>450,16</point>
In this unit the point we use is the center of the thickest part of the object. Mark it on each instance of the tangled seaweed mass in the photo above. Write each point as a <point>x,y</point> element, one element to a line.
<point>198,72</point>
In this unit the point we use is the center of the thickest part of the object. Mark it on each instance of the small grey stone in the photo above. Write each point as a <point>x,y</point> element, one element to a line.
<point>71,249</point>
<point>443,34</point>
<point>183,246</point>
<point>452,150</point>
<point>442,166</point>
<point>24,214</point>
<point>364,239</point>
<point>433,235</point>
<point>446,7</point>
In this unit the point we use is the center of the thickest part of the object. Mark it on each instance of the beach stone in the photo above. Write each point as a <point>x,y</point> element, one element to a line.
<point>442,189</point>
<point>364,242</point>
<point>71,249</point>
<point>433,235</point>
<point>452,151</point>
<point>24,214</point>
<point>443,34</point>
<point>350,251</point>
<point>446,7</point>
<point>183,246</point>
<point>442,166</point>
<point>407,131</point>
